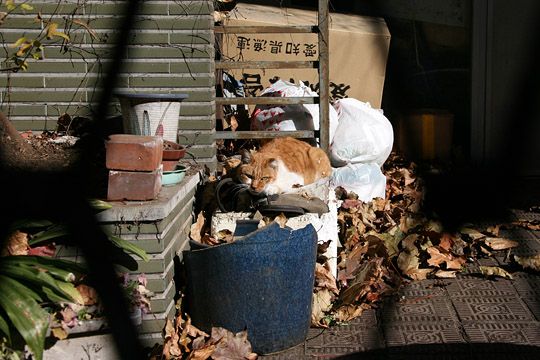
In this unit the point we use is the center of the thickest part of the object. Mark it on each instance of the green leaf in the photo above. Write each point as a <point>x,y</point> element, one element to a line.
<point>27,316</point>
<point>26,7</point>
<point>10,5</point>
<point>64,270</point>
<point>18,43</point>
<point>64,291</point>
<point>30,224</point>
<point>4,328</point>
<point>129,247</point>
<point>54,232</point>
<point>99,204</point>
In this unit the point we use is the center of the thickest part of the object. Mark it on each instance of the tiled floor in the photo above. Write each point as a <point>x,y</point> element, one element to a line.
<point>463,318</point>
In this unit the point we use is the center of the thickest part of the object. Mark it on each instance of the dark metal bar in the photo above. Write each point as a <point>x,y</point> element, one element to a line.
<point>267,100</point>
<point>479,82</point>
<point>301,134</point>
<point>302,29</point>
<point>226,65</point>
<point>324,82</point>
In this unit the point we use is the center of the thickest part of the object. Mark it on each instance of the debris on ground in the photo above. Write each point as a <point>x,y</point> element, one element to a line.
<point>182,340</point>
<point>389,242</point>
<point>386,243</point>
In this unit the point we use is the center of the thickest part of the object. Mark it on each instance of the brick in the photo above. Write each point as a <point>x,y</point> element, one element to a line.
<point>134,152</point>
<point>133,185</point>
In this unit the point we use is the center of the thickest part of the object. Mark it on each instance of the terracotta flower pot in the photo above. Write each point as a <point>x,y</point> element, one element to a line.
<point>169,165</point>
<point>173,151</point>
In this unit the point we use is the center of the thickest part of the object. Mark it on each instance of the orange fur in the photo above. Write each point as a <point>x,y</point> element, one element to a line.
<point>303,162</point>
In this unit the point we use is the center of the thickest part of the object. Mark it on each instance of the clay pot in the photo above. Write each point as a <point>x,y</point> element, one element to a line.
<point>173,151</point>
<point>169,165</point>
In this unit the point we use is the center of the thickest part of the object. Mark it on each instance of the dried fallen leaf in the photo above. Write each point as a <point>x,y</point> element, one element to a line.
<point>529,262</point>
<point>438,257</point>
<point>350,312</point>
<point>391,242</point>
<point>325,279</point>
<point>16,244</point>
<point>197,227</point>
<point>446,242</point>
<point>527,224</point>
<point>210,240</point>
<point>195,332</point>
<point>497,243</point>
<point>472,233</point>
<point>225,235</point>
<point>445,274</point>
<point>68,317</point>
<point>495,271</point>
<point>494,230</point>
<point>184,338</point>
<point>59,333</point>
<point>281,219</point>
<point>231,346</point>
<point>409,242</point>
<point>322,303</point>
<point>202,353</point>
<point>89,294</point>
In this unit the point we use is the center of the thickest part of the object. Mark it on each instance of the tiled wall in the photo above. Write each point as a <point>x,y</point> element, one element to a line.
<point>171,50</point>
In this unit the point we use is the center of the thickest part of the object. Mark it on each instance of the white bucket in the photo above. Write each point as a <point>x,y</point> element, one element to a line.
<point>144,113</point>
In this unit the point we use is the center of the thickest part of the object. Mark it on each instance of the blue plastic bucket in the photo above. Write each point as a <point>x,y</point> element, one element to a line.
<point>262,283</point>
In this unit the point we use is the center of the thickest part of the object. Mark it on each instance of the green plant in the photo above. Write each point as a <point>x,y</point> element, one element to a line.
<point>30,285</point>
<point>137,293</point>
<point>7,353</point>
<point>27,284</point>
<point>32,47</point>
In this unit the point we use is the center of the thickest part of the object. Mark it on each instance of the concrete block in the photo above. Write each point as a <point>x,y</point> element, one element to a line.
<point>134,152</point>
<point>133,185</point>
<point>100,346</point>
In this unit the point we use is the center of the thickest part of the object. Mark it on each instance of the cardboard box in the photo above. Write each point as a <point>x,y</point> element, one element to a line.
<point>426,134</point>
<point>358,51</point>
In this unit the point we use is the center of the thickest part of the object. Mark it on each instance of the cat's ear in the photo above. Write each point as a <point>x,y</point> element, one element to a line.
<point>273,163</point>
<point>246,156</point>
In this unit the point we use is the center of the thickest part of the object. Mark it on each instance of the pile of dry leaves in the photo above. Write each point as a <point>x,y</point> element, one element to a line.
<point>387,242</point>
<point>182,340</point>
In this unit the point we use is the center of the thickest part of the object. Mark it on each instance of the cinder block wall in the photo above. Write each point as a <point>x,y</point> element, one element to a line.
<point>171,51</point>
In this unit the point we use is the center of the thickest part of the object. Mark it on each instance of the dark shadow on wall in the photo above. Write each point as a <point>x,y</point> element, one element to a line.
<point>62,196</point>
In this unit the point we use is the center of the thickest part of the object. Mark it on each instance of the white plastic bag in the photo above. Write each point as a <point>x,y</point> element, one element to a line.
<point>290,117</point>
<point>363,134</point>
<point>365,180</point>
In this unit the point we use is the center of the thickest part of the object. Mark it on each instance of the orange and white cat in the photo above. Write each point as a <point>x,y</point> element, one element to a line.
<point>283,164</point>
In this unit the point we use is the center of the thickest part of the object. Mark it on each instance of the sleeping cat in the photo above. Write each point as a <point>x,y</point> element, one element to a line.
<point>281,165</point>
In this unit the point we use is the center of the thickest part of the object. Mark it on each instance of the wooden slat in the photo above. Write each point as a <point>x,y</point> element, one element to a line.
<point>267,100</point>
<point>226,65</point>
<point>233,135</point>
<point>302,29</point>
<point>324,76</point>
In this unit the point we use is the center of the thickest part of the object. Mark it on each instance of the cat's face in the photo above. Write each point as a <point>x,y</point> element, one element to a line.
<point>258,178</point>
<point>258,174</point>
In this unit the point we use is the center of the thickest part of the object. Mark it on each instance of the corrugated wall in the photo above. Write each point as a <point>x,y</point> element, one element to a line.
<point>171,51</point>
